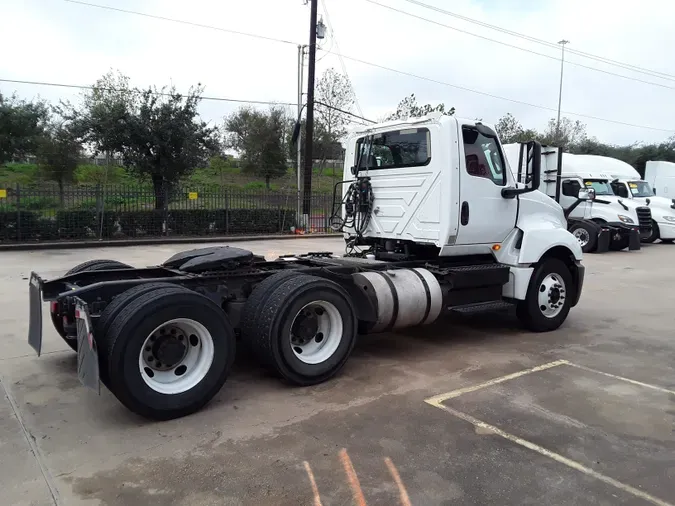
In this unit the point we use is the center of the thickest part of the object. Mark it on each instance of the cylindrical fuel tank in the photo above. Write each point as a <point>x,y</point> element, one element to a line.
<point>405,297</point>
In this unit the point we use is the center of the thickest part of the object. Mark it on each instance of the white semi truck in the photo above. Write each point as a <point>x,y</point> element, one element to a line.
<point>627,184</point>
<point>437,225</point>
<point>564,174</point>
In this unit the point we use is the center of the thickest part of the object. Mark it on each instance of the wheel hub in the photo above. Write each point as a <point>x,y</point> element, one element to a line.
<point>552,295</point>
<point>165,349</point>
<point>305,327</point>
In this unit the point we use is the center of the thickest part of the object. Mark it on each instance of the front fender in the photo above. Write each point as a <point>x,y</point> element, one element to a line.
<point>537,241</point>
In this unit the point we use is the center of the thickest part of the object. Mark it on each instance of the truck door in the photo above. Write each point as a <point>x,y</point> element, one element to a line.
<point>485,216</point>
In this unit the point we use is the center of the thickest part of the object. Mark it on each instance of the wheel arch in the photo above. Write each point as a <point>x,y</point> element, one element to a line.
<point>566,256</point>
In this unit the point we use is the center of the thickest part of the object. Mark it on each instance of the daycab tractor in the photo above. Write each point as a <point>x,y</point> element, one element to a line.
<point>434,223</point>
<point>627,183</point>
<point>603,221</point>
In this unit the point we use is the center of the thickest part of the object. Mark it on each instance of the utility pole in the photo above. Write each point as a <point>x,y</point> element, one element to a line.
<point>309,131</point>
<point>301,64</point>
<point>562,65</point>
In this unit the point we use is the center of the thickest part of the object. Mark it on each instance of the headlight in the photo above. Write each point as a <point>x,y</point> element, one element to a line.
<point>669,218</point>
<point>626,219</point>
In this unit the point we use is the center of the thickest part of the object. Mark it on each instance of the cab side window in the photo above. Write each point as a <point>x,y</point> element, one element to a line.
<point>570,188</point>
<point>483,158</point>
<point>620,189</point>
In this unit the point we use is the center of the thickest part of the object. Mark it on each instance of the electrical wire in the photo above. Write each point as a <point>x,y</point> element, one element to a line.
<point>342,63</point>
<point>159,93</point>
<point>180,21</point>
<point>627,66</point>
<point>513,100</point>
<point>595,69</point>
<point>344,112</point>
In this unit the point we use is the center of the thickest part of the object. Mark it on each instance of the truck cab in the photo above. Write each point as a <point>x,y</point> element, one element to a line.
<point>661,177</point>
<point>627,184</point>
<point>439,188</point>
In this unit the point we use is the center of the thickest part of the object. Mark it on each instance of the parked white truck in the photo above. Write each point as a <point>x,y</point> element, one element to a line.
<point>437,225</point>
<point>564,175</point>
<point>627,184</point>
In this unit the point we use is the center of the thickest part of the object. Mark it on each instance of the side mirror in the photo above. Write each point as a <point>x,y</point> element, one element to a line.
<point>535,156</point>
<point>588,194</point>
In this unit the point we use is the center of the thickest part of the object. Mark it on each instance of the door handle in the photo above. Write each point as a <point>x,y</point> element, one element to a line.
<point>464,215</point>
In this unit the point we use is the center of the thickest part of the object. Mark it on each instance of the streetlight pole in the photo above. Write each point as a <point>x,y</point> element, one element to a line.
<point>562,65</point>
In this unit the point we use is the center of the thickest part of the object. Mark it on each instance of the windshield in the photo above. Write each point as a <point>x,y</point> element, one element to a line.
<point>601,186</point>
<point>640,189</point>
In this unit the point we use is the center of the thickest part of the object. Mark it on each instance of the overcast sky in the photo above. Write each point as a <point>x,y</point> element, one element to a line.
<point>62,42</point>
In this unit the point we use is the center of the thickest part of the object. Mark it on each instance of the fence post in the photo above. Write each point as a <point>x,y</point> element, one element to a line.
<point>99,211</point>
<point>227,212</point>
<point>165,190</point>
<point>18,212</point>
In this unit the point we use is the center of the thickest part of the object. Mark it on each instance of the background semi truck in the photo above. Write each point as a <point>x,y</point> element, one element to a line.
<point>627,184</point>
<point>437,225</point>
<point>563,176</point>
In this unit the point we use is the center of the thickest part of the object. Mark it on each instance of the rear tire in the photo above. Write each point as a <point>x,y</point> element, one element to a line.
<point>654,235</point>
<point>90,265</point>
<point>178,386</point>
<point>586,235</point>
<point>548,297</point>
<point>110,313</point>
<point>305,330</point>
<point>620,244</point>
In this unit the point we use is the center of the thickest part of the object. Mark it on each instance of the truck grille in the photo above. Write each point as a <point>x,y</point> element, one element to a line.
<point>645,218</point>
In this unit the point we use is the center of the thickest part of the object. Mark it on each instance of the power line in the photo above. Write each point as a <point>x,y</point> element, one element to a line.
<point>569,113</point>
<point>342,63</point>
<point>520,48</point>
<point>343,111</point>
<point>627,66</point>
<point>159,93</point>
<point>180,21</point>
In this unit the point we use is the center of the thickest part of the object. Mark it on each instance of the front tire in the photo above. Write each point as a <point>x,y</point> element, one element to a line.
<point>548,299</point>
<point>306,330</point>
<point>654,235</point>
<point>168,353</point>
<point>586,235</point>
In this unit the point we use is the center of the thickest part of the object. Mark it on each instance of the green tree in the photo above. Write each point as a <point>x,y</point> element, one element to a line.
<point>409,108</point>
<point>510,130</point>
<point>260,137</point>
<point>567,134</point>
<point>164,139</point>
<point>58,154</point>
<point>21,127</point>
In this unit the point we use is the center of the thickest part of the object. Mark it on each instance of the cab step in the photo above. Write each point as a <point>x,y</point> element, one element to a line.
<point>482,307</point>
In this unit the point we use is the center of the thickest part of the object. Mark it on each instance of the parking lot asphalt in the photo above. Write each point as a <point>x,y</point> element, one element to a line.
<point>466,411</point>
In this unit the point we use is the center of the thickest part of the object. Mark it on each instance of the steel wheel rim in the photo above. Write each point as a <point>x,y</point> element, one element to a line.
<point>582,236</point>
<point>322,344</point>
<point>552,295</point>
<point>186,372</point>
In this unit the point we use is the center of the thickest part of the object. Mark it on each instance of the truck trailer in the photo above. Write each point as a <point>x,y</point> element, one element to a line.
<point>433,222</point>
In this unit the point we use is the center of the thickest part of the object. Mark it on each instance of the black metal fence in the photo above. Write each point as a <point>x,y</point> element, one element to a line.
<point>114,212</point>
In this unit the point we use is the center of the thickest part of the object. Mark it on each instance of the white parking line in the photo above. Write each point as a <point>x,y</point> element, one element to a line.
<point>438,400</point>
<point>556,456</point>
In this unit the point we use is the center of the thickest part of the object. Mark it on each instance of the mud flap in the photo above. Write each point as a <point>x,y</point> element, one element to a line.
<point>87,352</point>
<point>634,243</point>
<point>604,238</point>
<point>35,313</point>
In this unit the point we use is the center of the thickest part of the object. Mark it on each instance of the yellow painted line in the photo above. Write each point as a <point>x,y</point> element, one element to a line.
<point>622,378</point>
<point>315,489</point>
<point>439,399</point>
<point>555,456</point>
<point>405,500</point>
<point>359,499</point>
